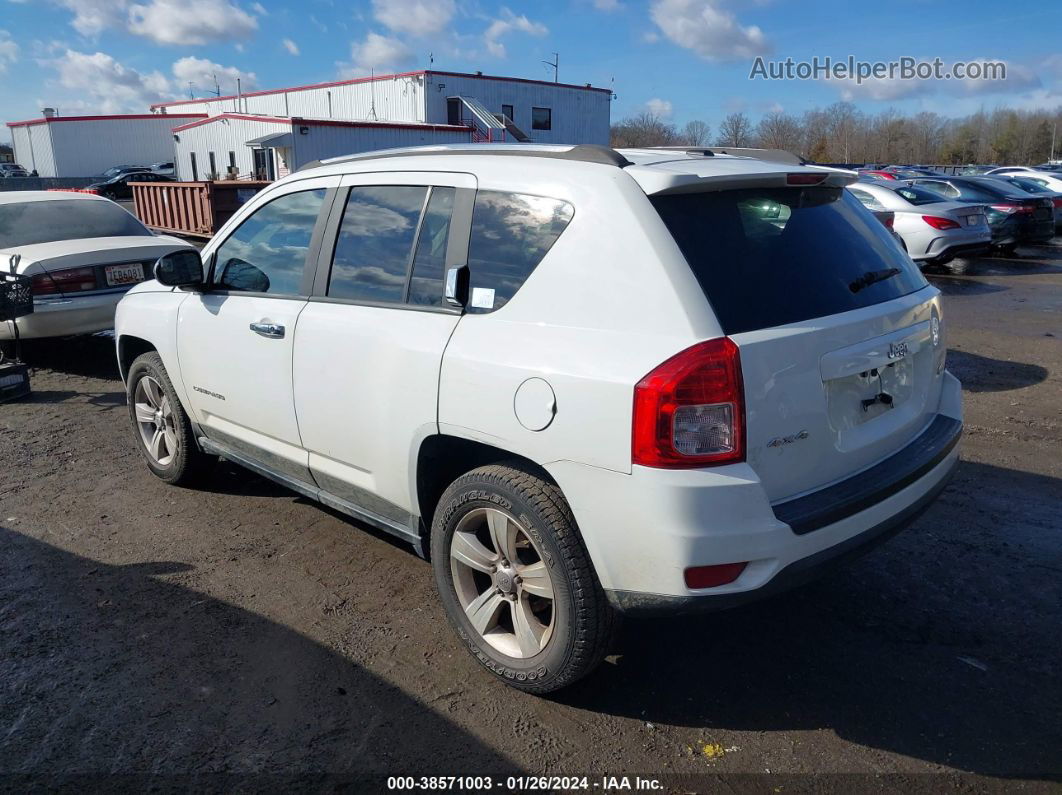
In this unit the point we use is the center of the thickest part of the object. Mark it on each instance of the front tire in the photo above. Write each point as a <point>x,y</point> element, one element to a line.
<point>516,581</point>
<point>161,427</point>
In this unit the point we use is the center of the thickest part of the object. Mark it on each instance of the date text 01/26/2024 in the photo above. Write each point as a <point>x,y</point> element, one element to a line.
<point>524,783</point>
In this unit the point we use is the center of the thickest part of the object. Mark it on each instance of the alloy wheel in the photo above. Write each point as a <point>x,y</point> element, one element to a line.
<point>155,421</point>
<point>502,582</point>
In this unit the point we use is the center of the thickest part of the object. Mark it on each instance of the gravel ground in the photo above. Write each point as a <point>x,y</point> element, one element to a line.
<point>241,636</point>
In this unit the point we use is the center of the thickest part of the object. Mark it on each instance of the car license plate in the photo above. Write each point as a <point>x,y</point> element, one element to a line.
<point>118,275</point>
<point>973,220</point>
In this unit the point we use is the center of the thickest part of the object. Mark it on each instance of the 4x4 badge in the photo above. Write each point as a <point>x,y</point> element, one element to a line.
<point>780,441</point>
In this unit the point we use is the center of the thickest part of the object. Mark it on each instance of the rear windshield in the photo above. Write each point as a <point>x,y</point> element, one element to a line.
<point>918,196</point>
<point>26,223</point>
<point>768,257</point>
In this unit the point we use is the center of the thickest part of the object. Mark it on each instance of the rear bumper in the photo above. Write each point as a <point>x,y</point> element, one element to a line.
<point>63,317</point>
<point>651,525</point>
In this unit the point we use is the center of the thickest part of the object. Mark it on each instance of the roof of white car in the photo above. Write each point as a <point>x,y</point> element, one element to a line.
<point>22,196</point>
<point>656,169</point>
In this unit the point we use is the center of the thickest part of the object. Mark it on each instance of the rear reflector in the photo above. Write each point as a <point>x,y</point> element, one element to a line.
<point>690,411</point>
<point>805,179</point>
<point>940,223</point>
<point>711,576</point>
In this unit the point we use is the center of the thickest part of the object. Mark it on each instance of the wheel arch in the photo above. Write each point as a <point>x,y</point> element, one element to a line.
<point>443,458</point>
<point>129,348</point>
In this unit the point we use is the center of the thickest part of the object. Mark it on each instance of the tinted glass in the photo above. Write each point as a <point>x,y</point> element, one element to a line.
<point>429,263</point>
<point>511,233</point>
<point>541,119</point>
<point>375,242</point>
<point>981,191</point>
<point>267,252</point>
<point>1029,185</point>
<point>768,257</point>
<point>867,200</point>
<point>26,223</point>
<point>919,196</point>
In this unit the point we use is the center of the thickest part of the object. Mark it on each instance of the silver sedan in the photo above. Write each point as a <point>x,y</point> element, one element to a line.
<point>933,231</point>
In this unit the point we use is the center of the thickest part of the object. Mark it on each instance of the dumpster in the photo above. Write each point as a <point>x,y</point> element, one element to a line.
<point>197,209</point>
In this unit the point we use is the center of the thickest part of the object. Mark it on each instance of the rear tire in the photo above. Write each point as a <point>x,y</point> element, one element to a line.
<point>161,427</point>
<point>496,598</point>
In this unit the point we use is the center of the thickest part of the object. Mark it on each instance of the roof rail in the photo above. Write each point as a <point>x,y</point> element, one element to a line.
<point>772,155</point>
<point>584,153</point>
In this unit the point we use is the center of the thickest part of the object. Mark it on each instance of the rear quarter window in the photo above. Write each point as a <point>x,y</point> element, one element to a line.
<point>511,233</point>
<point>770,257</point>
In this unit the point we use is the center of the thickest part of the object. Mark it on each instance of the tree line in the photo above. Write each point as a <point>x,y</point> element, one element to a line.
<point>841,133</point>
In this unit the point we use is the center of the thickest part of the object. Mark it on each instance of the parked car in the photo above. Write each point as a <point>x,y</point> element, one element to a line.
<point>933,231</point>
<point>872,173</point>
<point>910,172</point>
<point>116,171</point>
<point>590,382</point>
<point>1015,216</point>
<point>1038,187</point>
<point>10,170</point>
<point>82,252</point>
<point>166,169</point>
<point>1008,170</point>
<point>118,187</point>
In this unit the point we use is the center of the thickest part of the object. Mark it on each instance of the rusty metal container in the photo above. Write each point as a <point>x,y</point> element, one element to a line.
<point>197,209</point>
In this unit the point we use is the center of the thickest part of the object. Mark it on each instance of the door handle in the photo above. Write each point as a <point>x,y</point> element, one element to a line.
<point>273,330</point>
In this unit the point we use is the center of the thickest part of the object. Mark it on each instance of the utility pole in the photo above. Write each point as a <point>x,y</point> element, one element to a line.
<point>555,63</point>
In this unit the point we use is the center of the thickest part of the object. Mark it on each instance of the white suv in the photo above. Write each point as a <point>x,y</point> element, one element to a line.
<point>585,382</point>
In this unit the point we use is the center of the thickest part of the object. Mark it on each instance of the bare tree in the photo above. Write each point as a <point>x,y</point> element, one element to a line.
<point>645,129</point>
<point>736,130</point>
<point>779,131</point>
<point>696,133</point>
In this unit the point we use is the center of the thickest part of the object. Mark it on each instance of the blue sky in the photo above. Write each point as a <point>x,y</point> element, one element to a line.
<point>685,59</point>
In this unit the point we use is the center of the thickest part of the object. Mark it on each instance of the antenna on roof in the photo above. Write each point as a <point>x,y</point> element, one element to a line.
<point>217,88</point>
<point>555,63</point>
<point>431,60</point>
<point>191,94</point>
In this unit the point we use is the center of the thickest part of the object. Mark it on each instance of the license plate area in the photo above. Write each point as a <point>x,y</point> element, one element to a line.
<point>121,275</point>
<point>862,397</point>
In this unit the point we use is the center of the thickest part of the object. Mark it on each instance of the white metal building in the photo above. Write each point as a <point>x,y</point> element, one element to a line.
<point>270,147</point>
<point>84,146</point>
<point>546,112</point>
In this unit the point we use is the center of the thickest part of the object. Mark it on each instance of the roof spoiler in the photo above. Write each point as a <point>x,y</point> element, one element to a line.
<point>770,155</point>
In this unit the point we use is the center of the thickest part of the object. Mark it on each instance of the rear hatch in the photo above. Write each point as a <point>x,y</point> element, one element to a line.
<point>836,326</point>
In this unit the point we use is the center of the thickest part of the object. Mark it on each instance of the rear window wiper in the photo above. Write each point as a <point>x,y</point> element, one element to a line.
<point>872,277</point>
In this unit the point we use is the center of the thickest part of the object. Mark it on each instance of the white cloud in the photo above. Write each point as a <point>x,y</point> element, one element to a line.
<point>707,29</point>
<point>202,72</point>
<point>290,46</point>
<point>414,17</point>
<point>259,9</point>
<point>507,23</point>
<point>92,17</point>
<point>1018,79</point>
<point>377,51</point>
<point>190,21</point>
<point>607,5</point>
<point>113,87</point>
<point>8,51</point>
<point>659,107</point>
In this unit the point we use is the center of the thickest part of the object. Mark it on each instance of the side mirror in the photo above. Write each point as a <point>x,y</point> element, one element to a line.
<point>182,268</point>
<point>457,286</point>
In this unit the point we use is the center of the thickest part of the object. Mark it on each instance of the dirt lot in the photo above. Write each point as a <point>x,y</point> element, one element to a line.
<point>168,635</point>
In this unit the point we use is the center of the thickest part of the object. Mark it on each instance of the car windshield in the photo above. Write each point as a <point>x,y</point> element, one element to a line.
<point>918,196</point>
<point>27,223</point>
<point>767,257</point>
<point>1028,185</point>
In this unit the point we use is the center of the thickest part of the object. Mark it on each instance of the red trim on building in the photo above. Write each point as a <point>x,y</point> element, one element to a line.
<point>353,81</point>
<point>204,119</point>
<point>301,121</point>
<point>119,117</point>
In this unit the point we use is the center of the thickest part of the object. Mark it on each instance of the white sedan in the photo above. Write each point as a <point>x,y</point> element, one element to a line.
<point>82,252</point>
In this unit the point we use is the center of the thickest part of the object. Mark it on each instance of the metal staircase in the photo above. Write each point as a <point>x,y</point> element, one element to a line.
<point>488,127</point>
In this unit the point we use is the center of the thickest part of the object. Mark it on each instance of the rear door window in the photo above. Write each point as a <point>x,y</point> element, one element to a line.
<point>769,257</point>
<point>511,233</point>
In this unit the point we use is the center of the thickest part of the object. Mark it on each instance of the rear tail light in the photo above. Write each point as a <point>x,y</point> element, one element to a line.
<point>1057,202</point>
<point>690,411</point>
<point>940,223</point>
<point>889,221</point>
<point>71,280</point>
<point>1011,208</point>
<point>805,179</point>
<point>711,576</point>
